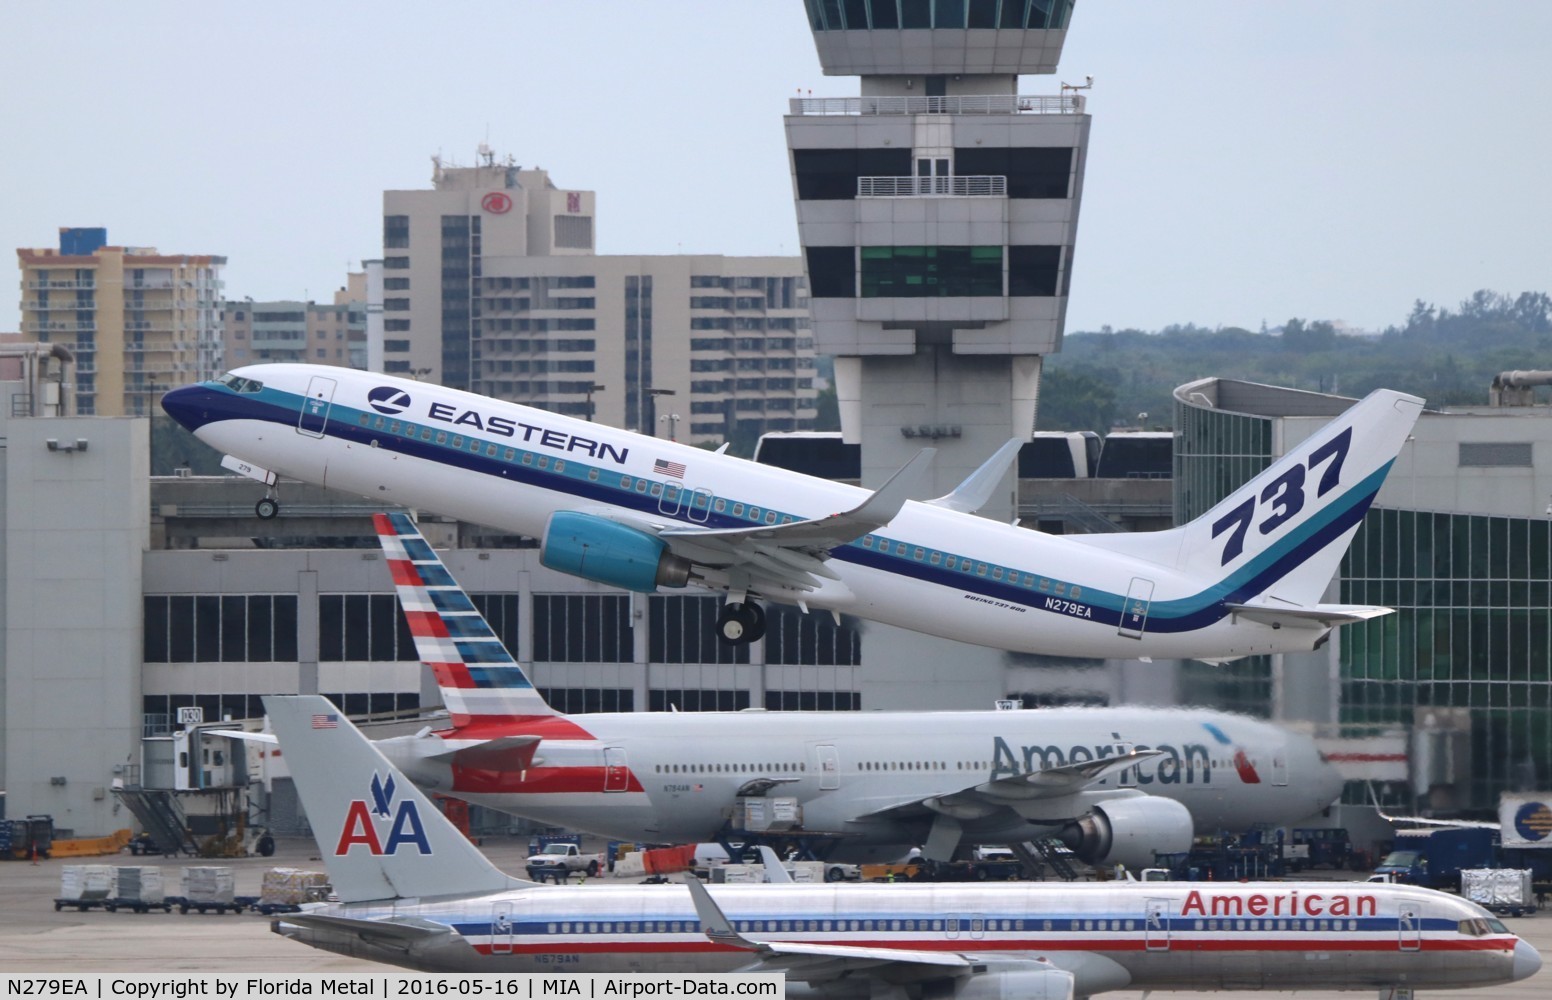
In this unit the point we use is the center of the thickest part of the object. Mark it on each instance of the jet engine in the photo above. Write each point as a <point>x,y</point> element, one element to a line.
<point>1032,984</point>
<point>1130,831</point>
<point>604,551</point>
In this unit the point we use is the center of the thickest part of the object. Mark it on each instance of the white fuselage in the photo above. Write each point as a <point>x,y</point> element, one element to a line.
<point>674,777</point>
<point>1141,936</point>
<point>931,569</point>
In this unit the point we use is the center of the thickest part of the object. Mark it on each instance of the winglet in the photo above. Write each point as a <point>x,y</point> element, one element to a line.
<point>775,871</point>
<point>886,501</point>
<point>714,923</point>
<point>972,494</point>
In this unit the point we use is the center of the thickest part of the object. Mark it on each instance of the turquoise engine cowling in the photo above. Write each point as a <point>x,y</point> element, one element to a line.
<point>601,550</point>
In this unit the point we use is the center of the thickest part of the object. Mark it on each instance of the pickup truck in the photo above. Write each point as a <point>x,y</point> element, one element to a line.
<point>558,860</point>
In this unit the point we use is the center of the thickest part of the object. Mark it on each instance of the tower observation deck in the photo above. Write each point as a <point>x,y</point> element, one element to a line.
<point>937,212</point>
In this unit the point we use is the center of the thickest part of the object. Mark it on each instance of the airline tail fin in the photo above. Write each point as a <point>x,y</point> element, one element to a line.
<point>1272,546</point>
<point>379,836</point>
<point>1283,534</point>
<point>479,679</point>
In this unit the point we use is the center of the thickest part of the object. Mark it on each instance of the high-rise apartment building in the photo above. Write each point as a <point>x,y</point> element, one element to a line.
<point>491,284</point>
<point>139,322</point>
<point>310,332</point>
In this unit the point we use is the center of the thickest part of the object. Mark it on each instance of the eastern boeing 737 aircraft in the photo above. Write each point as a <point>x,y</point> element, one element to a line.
<point>415,892</point>
<point>635,512</point>
<point>1115,784</point>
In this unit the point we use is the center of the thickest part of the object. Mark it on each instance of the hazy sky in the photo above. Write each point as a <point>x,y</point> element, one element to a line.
<point>1249,161</point>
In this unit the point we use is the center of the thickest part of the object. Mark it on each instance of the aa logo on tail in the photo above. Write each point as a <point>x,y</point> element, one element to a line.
<point>362,821</point>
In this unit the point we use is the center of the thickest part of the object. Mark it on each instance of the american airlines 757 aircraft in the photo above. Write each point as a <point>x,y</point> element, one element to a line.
<point>415,892</point>
<point>635,512</point>
<point>1117,784</point>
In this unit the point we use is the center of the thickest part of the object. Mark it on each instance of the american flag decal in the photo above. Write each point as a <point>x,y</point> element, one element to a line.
<point>325,720</point>
<point>675,469</point>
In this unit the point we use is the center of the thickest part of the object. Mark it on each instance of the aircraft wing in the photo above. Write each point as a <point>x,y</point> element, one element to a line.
<point>987,797</point>
<point>792,555</point>
<point>1468,824</point>
<point>821,963</point>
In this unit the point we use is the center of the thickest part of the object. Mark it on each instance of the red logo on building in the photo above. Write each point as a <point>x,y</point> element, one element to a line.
<point>496,203</point>
<point>573,201</point>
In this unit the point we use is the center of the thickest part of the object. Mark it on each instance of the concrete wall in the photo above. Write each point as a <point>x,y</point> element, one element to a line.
<point>76,524</point>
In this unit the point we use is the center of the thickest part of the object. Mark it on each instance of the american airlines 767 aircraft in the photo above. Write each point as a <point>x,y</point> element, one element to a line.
<point>1117,784</point>
<point>635,512</point>
<point>415,892</point>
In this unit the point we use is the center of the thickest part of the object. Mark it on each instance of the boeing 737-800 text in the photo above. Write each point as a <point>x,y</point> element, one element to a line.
<point>632,511</point>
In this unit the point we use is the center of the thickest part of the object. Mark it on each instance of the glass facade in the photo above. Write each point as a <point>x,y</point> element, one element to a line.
<point>460,265</point>
<point>931,272</point>
<point>1471,630</point>
<point>1216,453</point>
<point>863,15</point>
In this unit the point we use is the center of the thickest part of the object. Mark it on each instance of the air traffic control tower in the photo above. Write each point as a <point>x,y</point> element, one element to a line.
<point>937,213</point>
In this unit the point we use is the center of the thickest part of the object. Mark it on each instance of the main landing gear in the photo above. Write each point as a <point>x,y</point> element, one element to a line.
<point>740,623</point>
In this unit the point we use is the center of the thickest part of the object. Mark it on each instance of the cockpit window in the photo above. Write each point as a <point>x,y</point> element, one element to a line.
<point>1481,927</point>
<point>237,383</point>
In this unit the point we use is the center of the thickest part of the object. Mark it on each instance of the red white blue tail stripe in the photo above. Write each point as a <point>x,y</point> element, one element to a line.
<point>479,678</point>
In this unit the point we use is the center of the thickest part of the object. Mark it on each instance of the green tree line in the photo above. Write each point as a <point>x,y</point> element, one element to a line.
<point>1449,357</point>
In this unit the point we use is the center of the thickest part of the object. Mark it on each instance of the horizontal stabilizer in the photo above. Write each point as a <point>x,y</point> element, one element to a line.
<point>242,734</point>
<point>508,753</point>
<point>972,494</point>
<point>401,929</point>
<point>1277,614</point>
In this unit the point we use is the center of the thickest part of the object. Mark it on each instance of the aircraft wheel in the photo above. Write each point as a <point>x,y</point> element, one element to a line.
<point>755,616</point>
<point>732,625</point>
<point>267,508</point>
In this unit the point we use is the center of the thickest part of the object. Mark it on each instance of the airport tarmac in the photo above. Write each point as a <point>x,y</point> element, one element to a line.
<point>34,938</point>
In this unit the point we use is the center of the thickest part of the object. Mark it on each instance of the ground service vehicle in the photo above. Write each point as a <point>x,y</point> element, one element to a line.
<point>1434,858</point>
<point>561,859</point>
